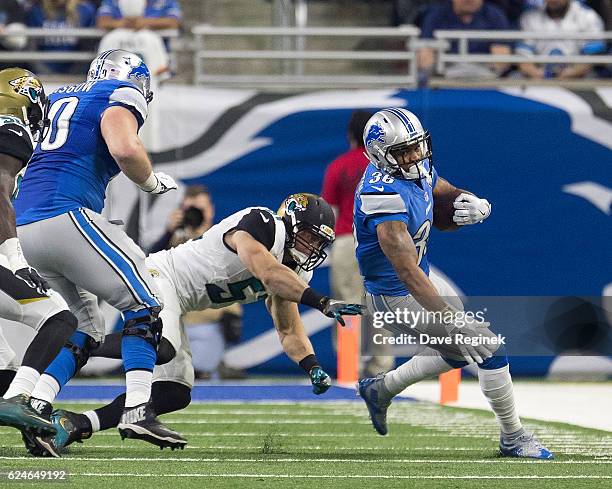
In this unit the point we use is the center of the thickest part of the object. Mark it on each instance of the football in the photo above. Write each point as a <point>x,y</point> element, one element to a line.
<point>443,211</point>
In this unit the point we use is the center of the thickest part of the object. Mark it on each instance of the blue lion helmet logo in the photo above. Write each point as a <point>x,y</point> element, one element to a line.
<point>140,72</point>
<point>375,133</point>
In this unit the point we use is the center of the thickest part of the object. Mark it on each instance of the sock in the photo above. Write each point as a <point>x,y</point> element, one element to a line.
<point>138,387</point>
<point>167,397</point>
<point>42,407</point>
<point>6,377</point>
<point>138,361</point>
<point>24,382</point>
<point>93,419</point>
<point>496,385</point>
<point>108,416</point>
<point>426,364</point>
<point>46,389</point>
<point>137,354</point>
<point>49,340</point>
<point>63,368</point>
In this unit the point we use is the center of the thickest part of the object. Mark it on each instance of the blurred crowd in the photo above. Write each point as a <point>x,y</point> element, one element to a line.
<point>133,24</point>
<point>546,16</point>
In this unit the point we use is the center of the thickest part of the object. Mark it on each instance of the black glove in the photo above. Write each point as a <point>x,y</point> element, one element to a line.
<point>336,309</point>
<point>31,277</point>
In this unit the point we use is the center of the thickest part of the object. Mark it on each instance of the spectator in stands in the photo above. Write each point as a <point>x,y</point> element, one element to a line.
<point>339,184</point>
<point>158,14</point>
<point>409,12</point>
<point>12,18</point>
<point>57,15</point>
<point>464,15</point>
<point>562,16</point>
<point>512,8</point>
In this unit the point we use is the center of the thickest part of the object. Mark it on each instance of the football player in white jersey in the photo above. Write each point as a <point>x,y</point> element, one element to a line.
<point>251,255</point>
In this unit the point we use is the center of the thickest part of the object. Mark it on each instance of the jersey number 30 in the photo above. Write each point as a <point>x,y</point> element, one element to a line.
<point>60,114</point>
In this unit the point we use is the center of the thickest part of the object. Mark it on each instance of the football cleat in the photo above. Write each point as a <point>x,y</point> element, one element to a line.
<point>140,423</point>
<point>18,413</point>
<point>523,446</point>
<point>39,446</point>
<point>70,427</point>
<point>378,399</point>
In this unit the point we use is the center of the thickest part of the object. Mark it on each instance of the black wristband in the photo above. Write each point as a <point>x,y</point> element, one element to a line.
<point>312,298</point>
<point>309,362</point>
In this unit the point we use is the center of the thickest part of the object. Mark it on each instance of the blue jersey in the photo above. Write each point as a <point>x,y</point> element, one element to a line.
<point>380,197</point>
<point>71,166</point>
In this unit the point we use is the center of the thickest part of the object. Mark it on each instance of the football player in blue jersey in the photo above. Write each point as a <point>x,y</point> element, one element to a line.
<point>92,137</point>
<point>25,296</point>
<point>396,203</point>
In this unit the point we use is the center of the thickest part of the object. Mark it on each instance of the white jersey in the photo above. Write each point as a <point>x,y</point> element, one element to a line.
<point>206,273</point>
<point>578,19</point>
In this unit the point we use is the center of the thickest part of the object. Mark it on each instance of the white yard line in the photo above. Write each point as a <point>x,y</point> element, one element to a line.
<point>265,459</point>
<point>348,476</point>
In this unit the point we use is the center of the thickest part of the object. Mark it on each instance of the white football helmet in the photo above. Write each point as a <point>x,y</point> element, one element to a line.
<point>118,64</point>
<point>396,129</point>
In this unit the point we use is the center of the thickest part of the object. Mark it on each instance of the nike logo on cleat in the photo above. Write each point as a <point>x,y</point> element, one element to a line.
<point>264,218</point>
<point>134,416</point>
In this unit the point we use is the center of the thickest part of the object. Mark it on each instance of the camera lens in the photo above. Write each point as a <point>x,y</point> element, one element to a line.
<point>193,217</point>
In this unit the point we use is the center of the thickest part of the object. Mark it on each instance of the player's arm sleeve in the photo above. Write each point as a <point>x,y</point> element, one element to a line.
<point>260,224</point>
<point>12,144</point>
<point>132,99</point>
<point>383,206</point>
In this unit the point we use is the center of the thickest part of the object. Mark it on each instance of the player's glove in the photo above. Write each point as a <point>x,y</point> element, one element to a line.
<point>158,183</point>
<point>11,248</point>
<point>467,337</point>
<point>31,277</point>
<point>320,380</point>
<point>330,307</point>
<point>336,309</point>
<point>469,209</point>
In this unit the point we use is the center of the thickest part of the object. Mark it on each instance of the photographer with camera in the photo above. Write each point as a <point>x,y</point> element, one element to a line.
<point>194,217</point>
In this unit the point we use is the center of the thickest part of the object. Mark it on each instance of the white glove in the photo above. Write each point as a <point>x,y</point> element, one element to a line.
<point>158,183</point>
<point>467,337</point>
<point>469,209</point>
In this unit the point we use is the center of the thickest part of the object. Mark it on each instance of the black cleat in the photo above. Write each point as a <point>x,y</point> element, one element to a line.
<point>140,423</point>
<point>18,413</point>
<point>70,427</point>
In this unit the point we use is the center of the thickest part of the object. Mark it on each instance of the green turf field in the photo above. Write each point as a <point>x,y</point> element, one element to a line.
<point>323,444</point>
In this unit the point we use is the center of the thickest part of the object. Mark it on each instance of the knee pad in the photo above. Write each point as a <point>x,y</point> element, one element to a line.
<point>165,352</point>
<point>81,353</point>
<point>145,324</point>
